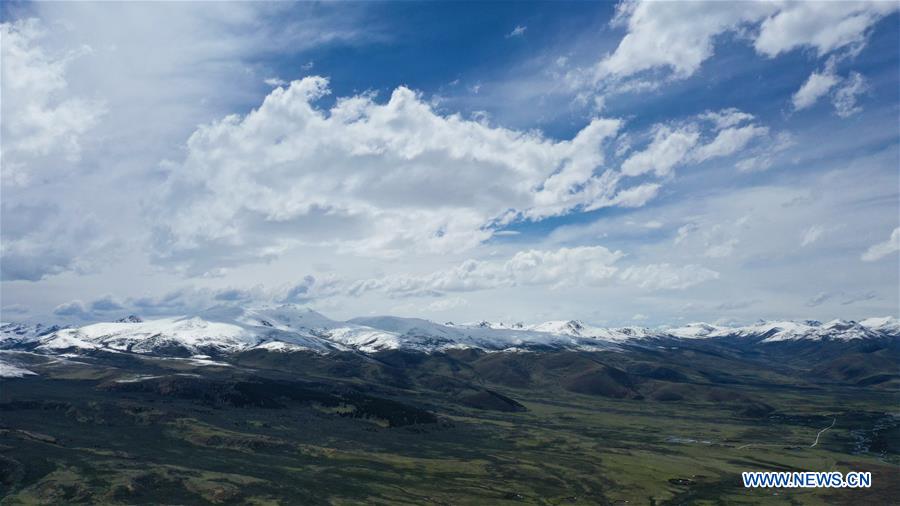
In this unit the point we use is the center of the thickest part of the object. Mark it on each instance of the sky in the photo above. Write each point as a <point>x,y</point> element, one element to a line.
<point>632,163</point>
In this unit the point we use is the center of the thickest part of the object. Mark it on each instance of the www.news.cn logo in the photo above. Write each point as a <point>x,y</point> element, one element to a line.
<point>808,479</point>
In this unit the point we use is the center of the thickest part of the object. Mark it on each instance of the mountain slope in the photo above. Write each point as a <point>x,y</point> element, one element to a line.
<point>228,329</point>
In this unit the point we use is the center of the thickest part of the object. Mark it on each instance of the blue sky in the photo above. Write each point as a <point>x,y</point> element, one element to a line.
<point>637,163</point>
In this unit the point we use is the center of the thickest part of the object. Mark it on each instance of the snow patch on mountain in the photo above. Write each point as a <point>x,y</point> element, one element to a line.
<point>809,330</point>
<point>193,334</point>
<point>8,370</point>
<point>418,334</point>
<point>24,332</point>
<point>697,330</point>
<point>885,324</point>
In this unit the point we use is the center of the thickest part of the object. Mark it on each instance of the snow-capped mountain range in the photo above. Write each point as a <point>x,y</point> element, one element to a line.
<point>227,329</point>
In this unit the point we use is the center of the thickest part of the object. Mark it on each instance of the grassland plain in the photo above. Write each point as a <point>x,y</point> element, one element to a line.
<point>409,430</point>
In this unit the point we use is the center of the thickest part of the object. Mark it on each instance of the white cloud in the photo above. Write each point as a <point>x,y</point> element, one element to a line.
<point>668,148</point>
<point>565,266</point>
<point>844,100</point>
<point>372,178</point>
<point>761,227</point>
<point>561,269</point>
<point>825,26</point>
<point>82,143</point>
<point>726,118</point>
<point>729,141</point>
<point>722,249</point>
<point>845,90</point>
<point>580,266</point>
<point>816,86</point>
<point>691,141</point>
<point>667,277</point>
<point>301,183</point>
<point>764,156</point>
<point>811,235</point>
<point>677,35</point>
<point>40,120</point>
<point>717,240</point>
<point>883,249</point>
<point>518,31</point>
<point>680,36</point>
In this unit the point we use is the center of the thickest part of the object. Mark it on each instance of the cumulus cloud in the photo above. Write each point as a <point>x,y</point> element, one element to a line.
<point>82,144</point>
<point>305,179</point>
<point>680,36</point>
<point>668,148</point>
<point>816,86</point>
<point>693,141</point>
<point>883,249</point>
<point>729,141</point>
<point>185,300</point>
<point>310,288</point>
<point>372,178</point>
<point>676,35</point>
<point>823,26</point>
<point>73,308</point>
<point>845,91</point>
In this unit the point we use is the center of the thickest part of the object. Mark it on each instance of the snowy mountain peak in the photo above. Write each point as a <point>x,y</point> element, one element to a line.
<point>888,324</point>
<point>229,329</point>
<point>695,330</point>
<point>25,332</point>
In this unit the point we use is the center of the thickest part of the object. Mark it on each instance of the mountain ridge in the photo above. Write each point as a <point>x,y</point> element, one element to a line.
<point>230,329</point>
